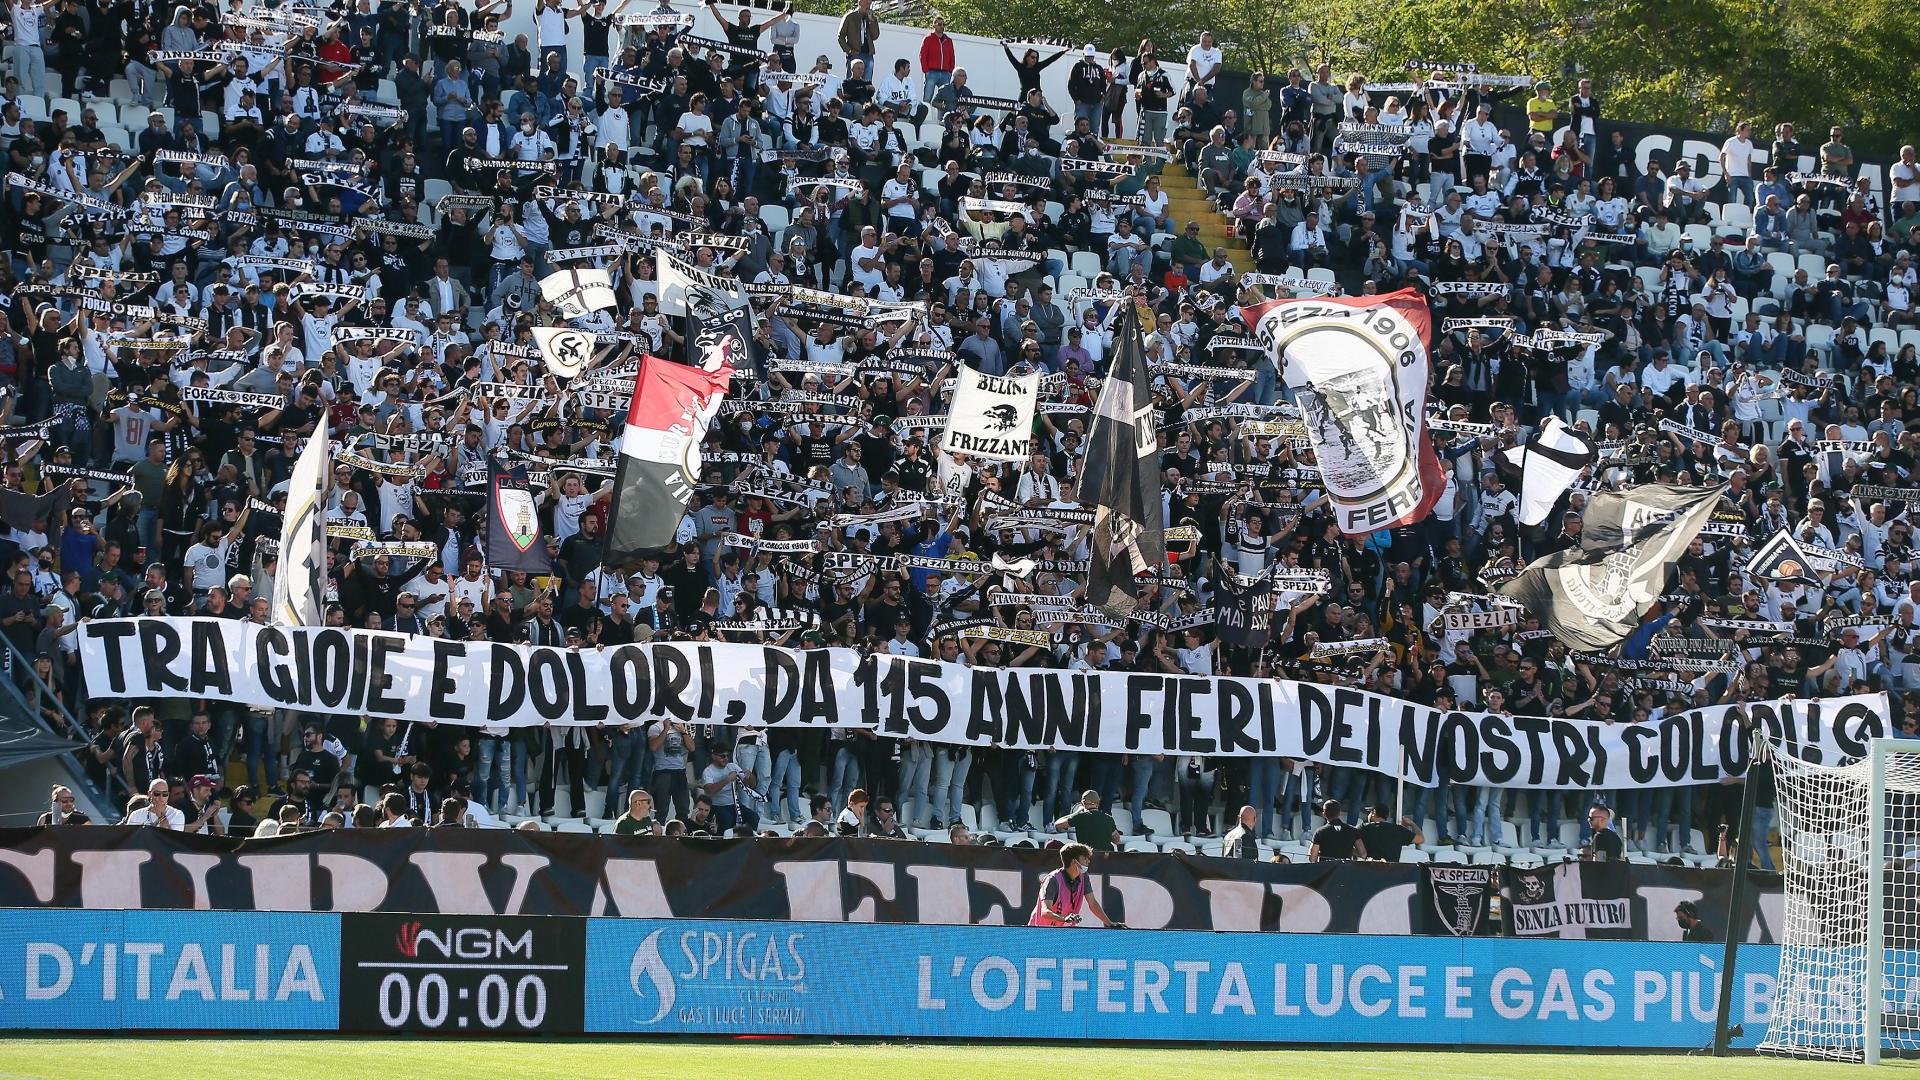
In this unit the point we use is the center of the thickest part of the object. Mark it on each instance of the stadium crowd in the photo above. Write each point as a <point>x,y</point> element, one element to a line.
<point>213,194</point>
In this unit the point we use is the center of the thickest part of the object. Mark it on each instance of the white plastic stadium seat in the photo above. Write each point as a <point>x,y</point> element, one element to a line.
<point>1086,264</point>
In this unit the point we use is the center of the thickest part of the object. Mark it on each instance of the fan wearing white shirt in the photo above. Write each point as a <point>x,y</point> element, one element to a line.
<point>901,196</point>
<point>868,261</point>
<point>1203,63</point>
<point>1905,176</point>
<point>159,811</point>
<point>1736,163</point>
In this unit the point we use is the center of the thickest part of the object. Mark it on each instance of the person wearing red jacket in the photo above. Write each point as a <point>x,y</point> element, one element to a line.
<point>338,57</point>
<point>936,58</point>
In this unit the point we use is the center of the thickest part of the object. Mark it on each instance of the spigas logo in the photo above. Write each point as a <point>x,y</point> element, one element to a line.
<point>737,974</point>
<point>651,979</point>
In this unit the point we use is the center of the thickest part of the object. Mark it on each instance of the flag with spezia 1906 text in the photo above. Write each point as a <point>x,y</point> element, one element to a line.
<point>1358,369</point>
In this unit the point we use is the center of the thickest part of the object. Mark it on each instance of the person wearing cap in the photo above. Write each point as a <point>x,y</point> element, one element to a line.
<point>202,812</point>
<point>1087,87</point>
<point>1335,840</point>
<point>1091,825</point>
<point>1686,195</point>
<point>1541,111</point>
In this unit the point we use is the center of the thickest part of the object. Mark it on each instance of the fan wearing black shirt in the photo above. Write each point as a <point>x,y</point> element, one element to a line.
<point>1336,840</point>
<point>912,470</point>
<point>1605,846</point>
<point>1383,838</point>
<point>1692,926</point>
<point>194,752</point>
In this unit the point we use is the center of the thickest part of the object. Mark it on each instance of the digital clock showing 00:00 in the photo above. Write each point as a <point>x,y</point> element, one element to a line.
<point>479,974</point>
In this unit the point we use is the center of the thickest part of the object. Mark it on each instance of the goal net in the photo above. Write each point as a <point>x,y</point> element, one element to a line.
<point>1849,982</point>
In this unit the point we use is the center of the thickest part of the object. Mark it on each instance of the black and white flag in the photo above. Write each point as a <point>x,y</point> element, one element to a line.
<point>680,281</point>
<point>1458,898</point>
<point>1244,617</point>
<point>1549,462</point>
<point>992,415</point>
<point>720,326</point>
<point>302,575</point>
<point>576,293</point>
<point>1358,366</point>
<point>565,349</point>
<point>1122,472</point>
<point>1570,900</point>
<point>1593,597</point>
<point>1783,560</point>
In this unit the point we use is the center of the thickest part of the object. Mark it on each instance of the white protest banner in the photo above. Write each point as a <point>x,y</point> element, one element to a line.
<point>378,674</point>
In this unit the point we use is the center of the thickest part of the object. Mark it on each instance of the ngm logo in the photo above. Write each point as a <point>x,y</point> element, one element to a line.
<point>417,940</point>
<point>722,961</point>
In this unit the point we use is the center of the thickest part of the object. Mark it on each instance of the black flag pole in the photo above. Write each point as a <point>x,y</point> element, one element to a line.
<point>1760,758</point>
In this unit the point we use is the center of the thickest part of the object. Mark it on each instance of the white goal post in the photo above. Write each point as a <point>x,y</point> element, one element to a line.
<point>1849,981</point>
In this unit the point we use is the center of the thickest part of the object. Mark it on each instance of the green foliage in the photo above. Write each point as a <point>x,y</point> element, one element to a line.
<point>1688,63</point>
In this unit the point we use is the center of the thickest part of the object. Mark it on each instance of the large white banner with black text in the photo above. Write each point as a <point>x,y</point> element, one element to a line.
<point>378,674</point>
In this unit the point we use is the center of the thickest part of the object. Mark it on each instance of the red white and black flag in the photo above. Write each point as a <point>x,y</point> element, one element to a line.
<point>1358,368</point>
<point>660,454</point>
<point>514,538</point>
<point>1121,478</point>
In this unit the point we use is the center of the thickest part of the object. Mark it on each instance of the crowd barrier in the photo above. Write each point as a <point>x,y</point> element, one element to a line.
<point>841,879</point>
<point>552,975</point>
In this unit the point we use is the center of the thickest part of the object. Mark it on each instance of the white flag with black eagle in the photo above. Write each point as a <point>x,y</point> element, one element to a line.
<point>991,416</point>
<point>1121,478</point>
<point>1549,462</point>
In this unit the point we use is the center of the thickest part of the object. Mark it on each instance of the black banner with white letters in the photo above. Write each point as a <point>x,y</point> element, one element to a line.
<point>499,872</point>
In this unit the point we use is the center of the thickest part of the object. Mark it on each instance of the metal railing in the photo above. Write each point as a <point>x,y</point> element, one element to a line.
<point>31,695</point>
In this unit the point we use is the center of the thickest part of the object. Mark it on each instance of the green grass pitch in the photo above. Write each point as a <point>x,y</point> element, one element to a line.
<point>211,1058</point>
